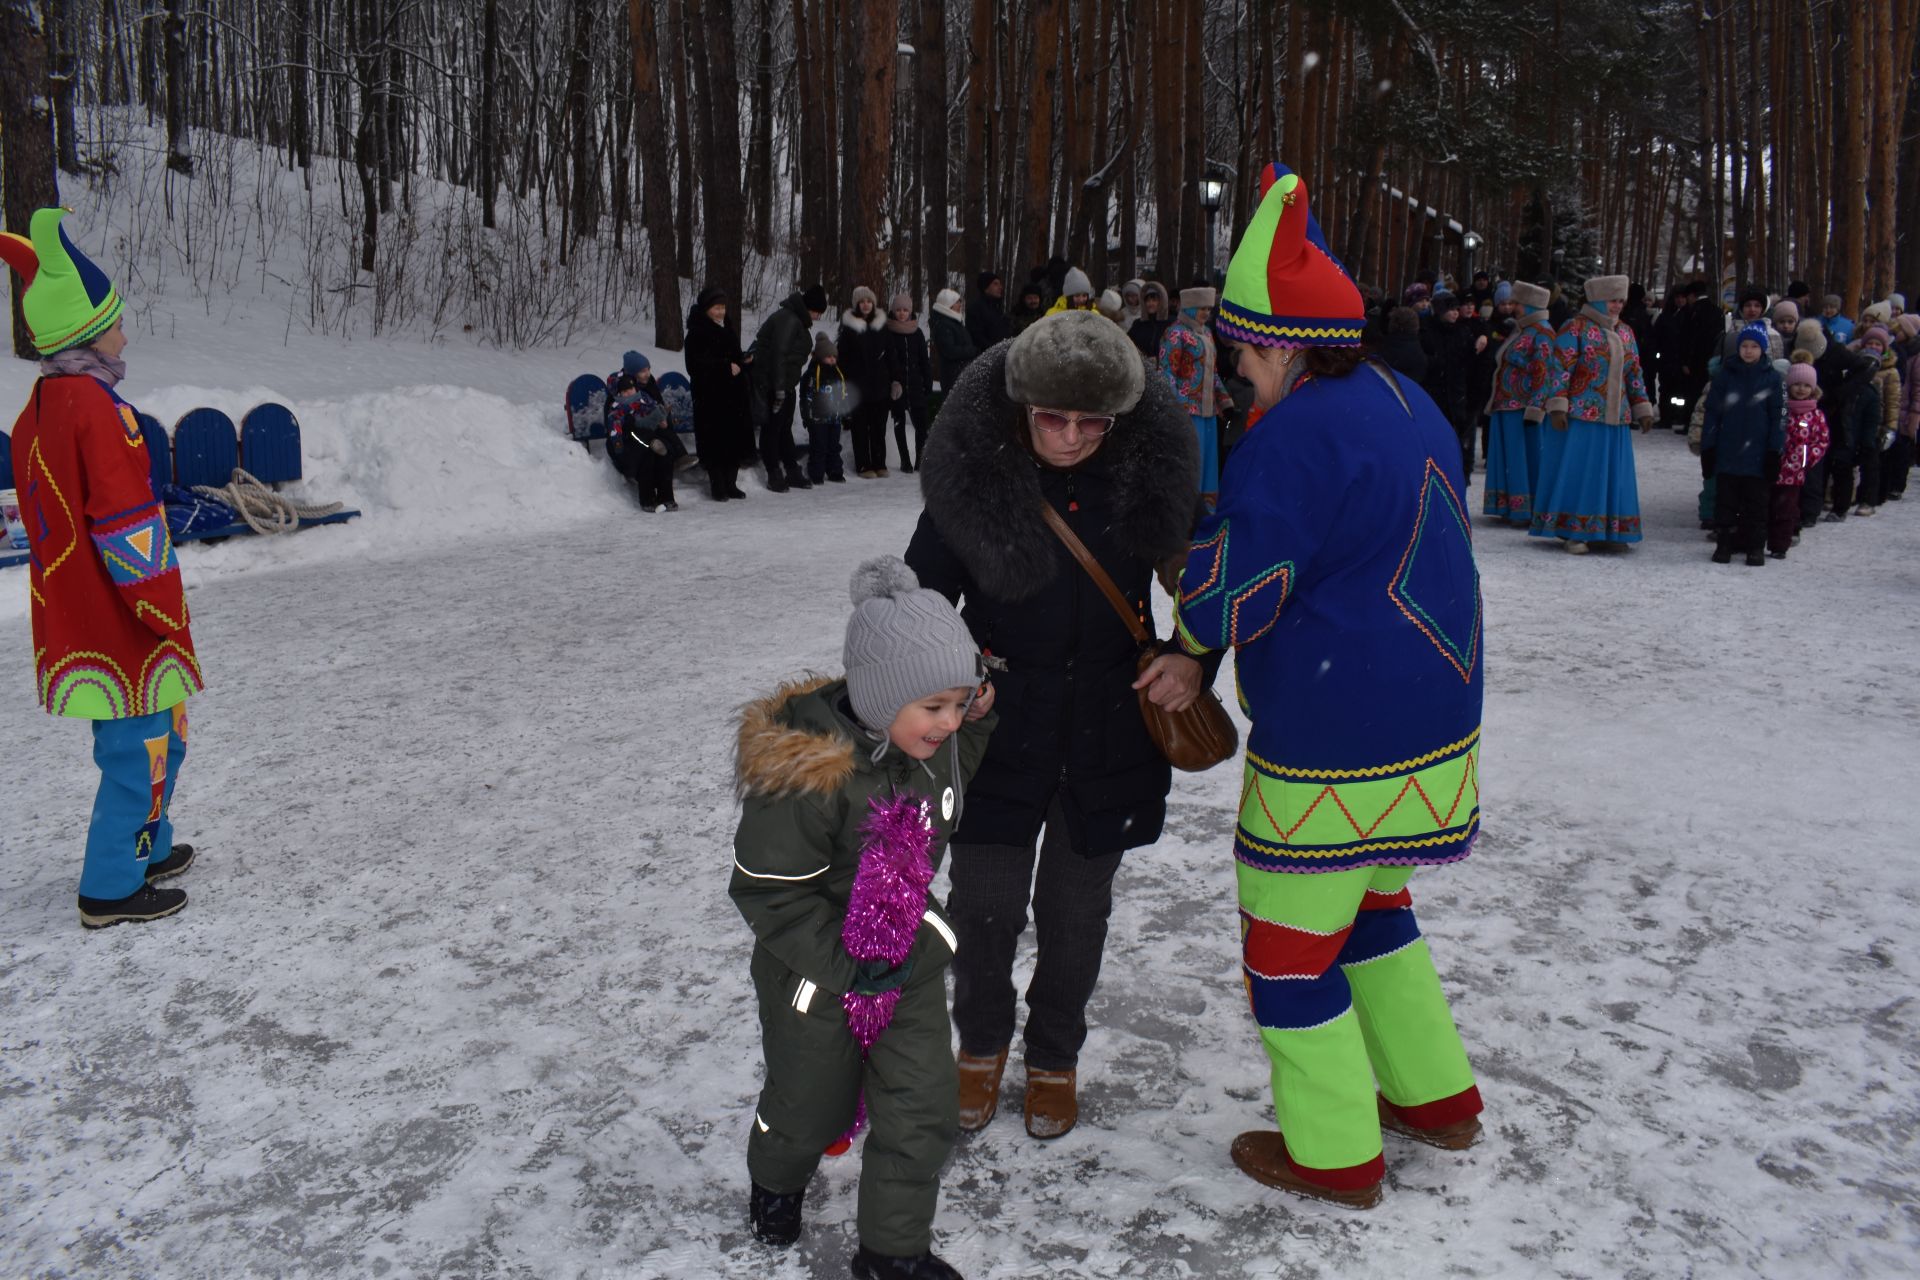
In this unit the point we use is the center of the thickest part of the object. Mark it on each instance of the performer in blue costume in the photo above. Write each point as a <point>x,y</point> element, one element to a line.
<point>1339,567</point>
<point>1522,380</point>
<point>1588,492</point>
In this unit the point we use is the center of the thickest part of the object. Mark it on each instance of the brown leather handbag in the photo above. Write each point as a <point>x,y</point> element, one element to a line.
<point>1193,740</point>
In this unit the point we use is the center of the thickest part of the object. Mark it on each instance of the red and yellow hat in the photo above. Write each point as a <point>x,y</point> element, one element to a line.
<point>1284,286</point>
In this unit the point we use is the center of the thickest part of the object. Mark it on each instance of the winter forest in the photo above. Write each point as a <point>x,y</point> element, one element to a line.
<point>528,167</point>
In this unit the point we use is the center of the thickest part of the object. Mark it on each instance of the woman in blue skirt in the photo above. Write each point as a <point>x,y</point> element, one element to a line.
<point>1587,491</point>
<point>1523,378</point>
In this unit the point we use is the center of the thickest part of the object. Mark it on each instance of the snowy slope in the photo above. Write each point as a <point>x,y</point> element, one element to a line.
<point>459,992</point>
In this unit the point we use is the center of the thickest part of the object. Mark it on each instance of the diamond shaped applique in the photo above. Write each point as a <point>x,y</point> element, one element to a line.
<point>1436,584</point>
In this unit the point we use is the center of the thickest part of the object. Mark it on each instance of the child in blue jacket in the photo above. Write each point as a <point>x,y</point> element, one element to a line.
<point>1741,444</point>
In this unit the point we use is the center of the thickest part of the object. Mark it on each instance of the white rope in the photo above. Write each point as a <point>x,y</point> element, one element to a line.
<point>264,511</point>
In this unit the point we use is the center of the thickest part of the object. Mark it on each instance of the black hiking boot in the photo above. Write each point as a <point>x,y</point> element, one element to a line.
<point>1756,558</point>
<point>776,1217</point>
<point>1723,555</point>
<point>172,865</point>
<point>146,903</point>
<point>868,1265</point>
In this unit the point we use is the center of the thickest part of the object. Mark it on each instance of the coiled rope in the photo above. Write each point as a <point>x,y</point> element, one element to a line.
<point>264,511</point>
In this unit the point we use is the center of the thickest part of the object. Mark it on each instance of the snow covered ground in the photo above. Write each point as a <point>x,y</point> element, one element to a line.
<point>459,992</point>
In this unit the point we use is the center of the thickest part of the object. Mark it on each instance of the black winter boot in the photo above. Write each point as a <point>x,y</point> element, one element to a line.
<point>868,1265</point>
<point>146,903</point>
<point>172,865</point>
<point>776,1217</point>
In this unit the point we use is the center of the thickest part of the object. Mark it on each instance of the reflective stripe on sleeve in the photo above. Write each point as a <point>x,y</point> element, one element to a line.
<point>941,927</point>
<point>764,875</point>
<point>803,995</point>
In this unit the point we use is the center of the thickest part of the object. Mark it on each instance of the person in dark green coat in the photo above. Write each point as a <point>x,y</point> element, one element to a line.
<point>779,353</point>
<point>909,721</point>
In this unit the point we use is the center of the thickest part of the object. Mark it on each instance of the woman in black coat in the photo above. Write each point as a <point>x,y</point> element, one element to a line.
<point>1071,755</point>
<point>722,422</point>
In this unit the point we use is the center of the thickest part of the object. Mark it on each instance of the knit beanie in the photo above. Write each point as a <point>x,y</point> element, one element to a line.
<point>903,301</point>
<point>1530,296</point>
<point>985,279</point>
<point>947,302</point>
<point>1879,313</point>
<point>1907,326</point>
<point>1284,286</point>
<point>1076,284</point>
<point>1834,300</point>
<point>823,347</point>
<point>634,362</point>
<point>1755,332</point>
<point>1880,332</point>
<point>1787,312</point>
<point>863,294</point>
<point>68,301</point>
<point>1801,379</point>
<point>1899,300</point>
<point>814,298</point>
<point>1110,304</point>
<point>1503,293</point>
<point>904,642</point>
<point>1810,336</point>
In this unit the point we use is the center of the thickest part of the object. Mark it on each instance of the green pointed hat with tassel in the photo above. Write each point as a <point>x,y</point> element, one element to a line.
<point>69,302</point>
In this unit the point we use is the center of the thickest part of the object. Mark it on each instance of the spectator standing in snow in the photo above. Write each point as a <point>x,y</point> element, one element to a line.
<point>1742,446</point>
<point>1031,305</point>
<point>780,352</point>
<point>1883,430</point>
<point>1663,363</point>
<point>1402,350</point>
<point>1524,367</point>
<point>826,401</point>
<point>111,637</point>
<point>952,344</point>
<point>1191,365</point>
<point>1838,328</point>
<point>831,899</point>
<point>864,360</point>
<point>1155,316</point>
<point>1076,293</point>
<point>722,416</point>
<point>1065,416</point>
<point>1853,414</point>
<point>1806,446</point>
<point>1349,482</point>
<point>1132,299</point>
<point>987,322</point>
<point>912,388</point>
<point>1753,310</point>
<point>1452,346</point>
<point>1588,490</point>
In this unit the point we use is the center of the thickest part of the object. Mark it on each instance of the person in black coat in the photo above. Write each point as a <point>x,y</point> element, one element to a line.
<point>863,359</point>
<point>1661,357</point>
<point>717,369</point>
<point>987,322</point>
<point>1452,346</point>
<point>912,372</point>
<point>1071,757</point>
<point>1401,349</point>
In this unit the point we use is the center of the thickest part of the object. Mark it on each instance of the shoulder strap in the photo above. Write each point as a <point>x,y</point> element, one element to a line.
<point>1094,571</point>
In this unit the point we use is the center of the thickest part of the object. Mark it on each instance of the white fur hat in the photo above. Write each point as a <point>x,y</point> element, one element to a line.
<point>1606,289</point>
<point>1531,295</point>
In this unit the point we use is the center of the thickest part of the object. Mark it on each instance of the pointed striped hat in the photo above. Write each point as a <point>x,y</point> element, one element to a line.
<point>1284,286</point>
<point>68,301</point>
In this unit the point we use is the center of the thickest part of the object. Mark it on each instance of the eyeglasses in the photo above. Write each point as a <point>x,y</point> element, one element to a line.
<point>1053,422</point>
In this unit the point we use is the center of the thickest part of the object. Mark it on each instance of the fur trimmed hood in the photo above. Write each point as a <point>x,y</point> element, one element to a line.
<point>785,748</point>
<point>981,484</point>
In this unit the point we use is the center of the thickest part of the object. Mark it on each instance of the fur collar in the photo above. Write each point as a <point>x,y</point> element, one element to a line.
<point>777,757</point>
<point>981,486</point>
<point>848,320</point>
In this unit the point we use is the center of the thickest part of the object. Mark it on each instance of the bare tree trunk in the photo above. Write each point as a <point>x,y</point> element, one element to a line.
<point>489,109</point>
<point>684,54</point>
<point>29,180</point>
<point>979,150</point>
<point>872,36</point>
<point>1854,132</point>
<point>1045,15</point>
<point>179,149</point>
<point>760,149</point>
<point>586,182</point>
<point>722,212</point>
<point>931,143</point>
<point>656,200</point>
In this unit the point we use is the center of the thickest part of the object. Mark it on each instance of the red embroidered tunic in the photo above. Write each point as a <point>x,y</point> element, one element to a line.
<point>110,634</point>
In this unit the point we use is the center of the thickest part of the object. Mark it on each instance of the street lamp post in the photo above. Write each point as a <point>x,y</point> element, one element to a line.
<point>1471,242</point>
<point>1213,191</point>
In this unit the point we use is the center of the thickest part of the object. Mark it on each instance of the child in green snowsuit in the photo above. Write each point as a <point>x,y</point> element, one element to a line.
<point>909,720</point>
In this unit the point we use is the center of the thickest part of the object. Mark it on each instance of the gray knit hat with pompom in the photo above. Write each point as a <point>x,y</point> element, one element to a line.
<point>903,642</point>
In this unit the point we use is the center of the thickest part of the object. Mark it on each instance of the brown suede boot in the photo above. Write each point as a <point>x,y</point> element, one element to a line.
<point>979,1089</point>
<point>1457,1136</point>
<point>1262,1156</point>
<point>1053,1105</point>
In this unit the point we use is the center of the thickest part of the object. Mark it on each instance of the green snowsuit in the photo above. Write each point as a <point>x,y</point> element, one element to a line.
<point>806,773</point>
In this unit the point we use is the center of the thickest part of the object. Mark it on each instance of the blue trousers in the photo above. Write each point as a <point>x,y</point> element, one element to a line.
<point>1207,429</point>
<point>823,452</point>
<point>139,761</point>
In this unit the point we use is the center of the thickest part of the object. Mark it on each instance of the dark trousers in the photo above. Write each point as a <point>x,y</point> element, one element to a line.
<point>777,451</point>
<point>868,426</point>
<point>902,410</point>
<point>823,452</point>
<point>654,474</point>
<point>1813,493</point>
<point>1072,897</point>
<point>1896,460</point>
<point>1783,517</point>
<point>1841,465</point>
<point>1740,506</point>
<point>718,457</point>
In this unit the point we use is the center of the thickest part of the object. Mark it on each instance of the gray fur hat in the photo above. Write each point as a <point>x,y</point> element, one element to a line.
<point>863,294</point>
<point>903,642</point>
<point>1075,360</point>
<point>1606,289</point>
<point>1811,337</point>
<point>1531,295</point>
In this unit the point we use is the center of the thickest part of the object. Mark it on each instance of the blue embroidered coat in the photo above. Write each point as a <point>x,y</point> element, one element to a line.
<point>1339,567</point>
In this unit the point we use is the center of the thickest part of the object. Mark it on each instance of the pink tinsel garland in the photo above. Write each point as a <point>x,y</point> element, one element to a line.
<point>885,908</point>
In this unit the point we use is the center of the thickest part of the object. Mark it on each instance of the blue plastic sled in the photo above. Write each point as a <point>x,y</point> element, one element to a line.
<point>159,451</point>
<point>270,444</point>
<point>678,394</point>
<point>586,406</point>
<point>206,449</point>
